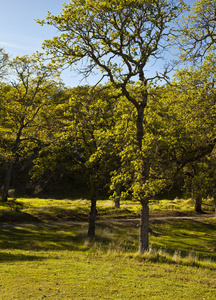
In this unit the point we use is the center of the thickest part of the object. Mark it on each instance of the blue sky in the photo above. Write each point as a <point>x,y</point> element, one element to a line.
<point>20,34</point>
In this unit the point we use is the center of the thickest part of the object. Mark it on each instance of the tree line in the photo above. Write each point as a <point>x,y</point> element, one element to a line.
<point>136,135</point>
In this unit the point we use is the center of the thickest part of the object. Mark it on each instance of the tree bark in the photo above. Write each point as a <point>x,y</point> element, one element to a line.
<point>92,217</point>
<point>198,204</point>
<point>117,197</point>
<point>140,132</point>
<point>7,182</point>
<point>144,216</point>
<point>144,227</point>
<point>215,204</point>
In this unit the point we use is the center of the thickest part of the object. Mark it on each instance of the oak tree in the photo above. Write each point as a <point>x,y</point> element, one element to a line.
<point>121,39</point>
<point>81,143</point>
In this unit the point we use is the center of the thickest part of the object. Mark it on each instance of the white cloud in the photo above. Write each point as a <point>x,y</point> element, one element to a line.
<point>11,45</point>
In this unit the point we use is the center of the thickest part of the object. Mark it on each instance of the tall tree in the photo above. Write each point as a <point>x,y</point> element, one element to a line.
<point>30,91</point>
<point>121,39</point>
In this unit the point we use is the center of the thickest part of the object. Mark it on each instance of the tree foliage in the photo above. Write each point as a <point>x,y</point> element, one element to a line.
<point>115,37</point>
<point>82,142</point>
<point>29,93</point>
<point>197,37</point>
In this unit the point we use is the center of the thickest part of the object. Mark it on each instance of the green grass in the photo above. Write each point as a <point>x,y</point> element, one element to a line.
<point>77,210</point>
<point>54,260</point>
<point>74,275</point>
<point>181,205</point>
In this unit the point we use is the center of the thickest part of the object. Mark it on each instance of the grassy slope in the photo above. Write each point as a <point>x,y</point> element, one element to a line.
<point>54,261</point>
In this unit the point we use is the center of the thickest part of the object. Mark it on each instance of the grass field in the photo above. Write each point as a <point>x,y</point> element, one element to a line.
<point>54,260</point>
<point>35,209</point>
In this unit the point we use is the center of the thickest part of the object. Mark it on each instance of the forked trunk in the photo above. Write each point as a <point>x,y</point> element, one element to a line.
<point>92,217</point>
<point>144,227</point>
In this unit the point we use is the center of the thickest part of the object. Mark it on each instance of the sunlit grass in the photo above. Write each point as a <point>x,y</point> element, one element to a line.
<point>53,209</point>
<point>75,275</point>
<point>56,261</point>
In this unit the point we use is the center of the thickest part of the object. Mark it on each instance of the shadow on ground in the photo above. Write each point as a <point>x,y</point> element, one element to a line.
<point>10,257</point>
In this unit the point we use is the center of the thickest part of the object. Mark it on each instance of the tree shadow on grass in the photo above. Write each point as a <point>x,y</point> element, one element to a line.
<point>42,237</point>
<point>17,216</point>
<point>10,257</point>
<point>195,237</point>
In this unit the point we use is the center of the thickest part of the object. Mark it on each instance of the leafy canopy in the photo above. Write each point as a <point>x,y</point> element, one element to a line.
<point>197,37</point>
<point>116,37</point>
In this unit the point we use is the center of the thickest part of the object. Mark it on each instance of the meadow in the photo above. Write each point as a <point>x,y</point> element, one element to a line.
<point>44,252</point>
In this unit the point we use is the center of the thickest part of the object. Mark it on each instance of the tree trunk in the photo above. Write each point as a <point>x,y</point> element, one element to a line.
<point>10,166</point>
<point>144,216</point>
<point>144,227</point>
<point>92,217</point>
<point>198,204</point>
<point>139,126</point>
<point>117,197</point>
<point>7,182</point>
<point>215,204</point>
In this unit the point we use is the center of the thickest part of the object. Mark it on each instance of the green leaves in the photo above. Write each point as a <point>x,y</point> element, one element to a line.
<point>118,37</point>
<point>25,100</point>
<point>197,38</point>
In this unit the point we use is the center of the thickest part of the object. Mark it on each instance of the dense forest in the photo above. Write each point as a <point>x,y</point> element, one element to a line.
<point>131,135</point>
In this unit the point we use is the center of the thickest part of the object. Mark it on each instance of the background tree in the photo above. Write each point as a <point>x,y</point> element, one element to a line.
<point>29,93</point>
<point>196,178</point>
<point>90,118</point>
<point>197,86</point>
<point>119,38</point>
<point>80,144</point>
<point>191,130</point>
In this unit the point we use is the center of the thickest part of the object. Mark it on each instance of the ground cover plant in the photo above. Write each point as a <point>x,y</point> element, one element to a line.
<point>54,260</point>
